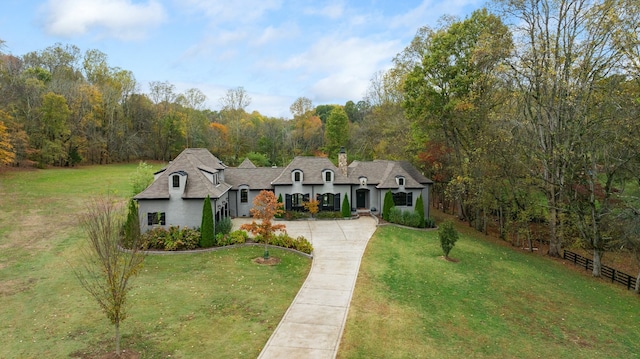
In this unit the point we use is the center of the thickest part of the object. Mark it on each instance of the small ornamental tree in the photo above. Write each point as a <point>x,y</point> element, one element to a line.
<point>420,210</point>
<point>207,228</point>
<point>448,237</point>
<point>346,207</point>
<point>265,207</point>
<point>387,205</point>
<point>132,225</point>
<point>312,206</point>
<point>107,269</point>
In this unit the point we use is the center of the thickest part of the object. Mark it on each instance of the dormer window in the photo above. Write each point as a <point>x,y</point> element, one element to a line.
<point>297,176</point>
<point>363,181</point>
<point>328,176</point>
<point>400,181</point>
<point>175,179</point>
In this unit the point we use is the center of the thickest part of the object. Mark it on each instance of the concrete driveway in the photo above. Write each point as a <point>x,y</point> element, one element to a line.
<point>313,324</point>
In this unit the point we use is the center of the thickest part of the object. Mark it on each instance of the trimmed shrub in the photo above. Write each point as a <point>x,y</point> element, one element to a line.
<point>153,238</point>
<point>329,215</point>
<point>405,218</point>
<point>448,237</point>
<point>235,237</point>
<point>429,223</point>
<point>293,215</point>
<point>394,215</point>
<point>224,226</point>
<point>174,239</point>
<point>346,207</point>
<point>387,205</point>
<point>286,241</point>
<point>207,230</point>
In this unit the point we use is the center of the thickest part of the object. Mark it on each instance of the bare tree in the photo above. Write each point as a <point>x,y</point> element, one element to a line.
<point>107,269</point>
<point>234,103</point>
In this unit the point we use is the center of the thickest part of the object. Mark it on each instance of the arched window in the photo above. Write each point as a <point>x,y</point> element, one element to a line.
<point>328,176</point>
<point>297,176</point>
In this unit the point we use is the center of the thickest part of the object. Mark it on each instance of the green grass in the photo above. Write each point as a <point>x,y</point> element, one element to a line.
<point>217,304</point>
<point>494,303</point>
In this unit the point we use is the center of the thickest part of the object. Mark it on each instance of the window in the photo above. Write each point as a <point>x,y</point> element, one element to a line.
<point>297,200</point>
<point>297,176</point>
<point>403,199</point>
<point>329,201</point>
<point>176,181</point>
<point>215,179</point>
<point>328,176</point>
<point>244,195</point>
<point>156,218</point>
<point>400,181</point>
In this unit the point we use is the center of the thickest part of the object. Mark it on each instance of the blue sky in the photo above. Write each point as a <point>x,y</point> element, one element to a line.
<point>278,50</point>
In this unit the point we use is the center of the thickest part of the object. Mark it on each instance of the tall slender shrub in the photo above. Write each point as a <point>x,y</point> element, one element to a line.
<point>420,210</point>
<point>346,207</point>
<point>387,205</point>
<point>207,229</point>
<point>131,225</point>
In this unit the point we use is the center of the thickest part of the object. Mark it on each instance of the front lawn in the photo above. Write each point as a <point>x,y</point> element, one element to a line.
<point>206,305</point>
<point>494,303</point>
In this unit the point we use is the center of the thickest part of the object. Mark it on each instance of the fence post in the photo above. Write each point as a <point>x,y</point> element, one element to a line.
<point>613,274</point>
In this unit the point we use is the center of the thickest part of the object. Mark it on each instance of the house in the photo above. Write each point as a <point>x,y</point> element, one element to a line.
<point>176,196</point>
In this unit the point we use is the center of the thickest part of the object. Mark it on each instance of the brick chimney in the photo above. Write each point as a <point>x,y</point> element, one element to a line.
<point>342,161</point>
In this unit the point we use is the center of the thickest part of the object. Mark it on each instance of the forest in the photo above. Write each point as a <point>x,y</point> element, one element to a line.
<point>524,114</point>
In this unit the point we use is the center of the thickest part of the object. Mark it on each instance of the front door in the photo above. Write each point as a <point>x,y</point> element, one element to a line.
<point>361,199</point>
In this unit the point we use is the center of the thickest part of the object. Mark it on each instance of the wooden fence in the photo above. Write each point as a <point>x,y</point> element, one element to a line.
<point>605,272</point>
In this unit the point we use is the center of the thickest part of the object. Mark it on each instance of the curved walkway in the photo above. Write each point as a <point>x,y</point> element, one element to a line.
<point>313,324</point>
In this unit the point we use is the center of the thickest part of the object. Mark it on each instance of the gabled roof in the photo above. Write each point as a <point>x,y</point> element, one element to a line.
<point>194,162</point>
<point>247,164</point>
<point>257,178</point>
<point>383,173</point>
<point>312,168</point>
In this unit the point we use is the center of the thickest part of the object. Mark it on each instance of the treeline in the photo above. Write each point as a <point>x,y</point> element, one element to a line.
<point>62,107</point>
<point>527,114</point>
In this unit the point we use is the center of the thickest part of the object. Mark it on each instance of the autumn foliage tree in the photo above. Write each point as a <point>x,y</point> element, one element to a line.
<point>312,206</point>
<point>6,149</point>
<point>265,208</point>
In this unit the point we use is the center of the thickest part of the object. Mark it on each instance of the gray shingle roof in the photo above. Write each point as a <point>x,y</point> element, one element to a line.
<point>195,162</point>
<point>311,168</point>
<point>247,164</point>
<point>383,173</point>
<point>256,177</point>
<point>198,162</point>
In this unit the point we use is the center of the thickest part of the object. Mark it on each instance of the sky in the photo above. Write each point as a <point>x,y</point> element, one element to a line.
<point>277,50</point>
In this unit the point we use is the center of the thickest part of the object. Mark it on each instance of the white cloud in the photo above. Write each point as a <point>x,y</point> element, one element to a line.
<point>430,11</point>
<point>237,11</point>
<point>120,19</point>
<point>272,34</point>
<point>332,11</point>
<point>342,67</point>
